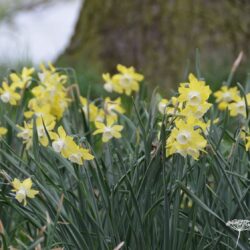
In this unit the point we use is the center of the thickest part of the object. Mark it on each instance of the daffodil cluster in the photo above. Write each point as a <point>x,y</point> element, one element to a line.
<point>187,109</point>
<point>230,98</point>
<point>47,105</point>
<point>126,81</point>
<point>65,145</point>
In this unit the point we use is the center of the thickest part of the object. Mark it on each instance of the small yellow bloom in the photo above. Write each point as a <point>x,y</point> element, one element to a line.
<point>108,130</point>
<point>90,110</point>
<point>238,107</point>
<point>23,80</point>
<point>23,190</point>
<point>186,139</point>
<point>226,95</point>
<point>110,85</point>
<point>8,94</point>
<point>65,145</point>
<point>79,155</point>
<point>162,106</point>
<point>112,107</point>
<point>128,79</point>
<point>26,132</point>
<point>3,131</point>
<point>62,143</point>
<point>39,111</point>
<point>194,93</point>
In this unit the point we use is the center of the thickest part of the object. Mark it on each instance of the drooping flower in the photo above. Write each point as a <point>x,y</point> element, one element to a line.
<point>65,145</point>
<point>79,155</point>
<point>112,107</point>
<point>62,143</point>
<point>110,85</point>
<point>226,95</point>
<point>109,130</point>
<point>8,94</point>
<point>23,80</point>
<point>90,109</point>
<point>23,190</point>
<point>238,107</point>
<point>163,105</point>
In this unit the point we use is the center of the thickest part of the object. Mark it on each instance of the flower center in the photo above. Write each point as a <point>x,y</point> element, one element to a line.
<point>40,131</point>
<point>21,194</point>
<point>58,145</point>
<point>5,97</point>
<point>183,137</point>
<point>126,80</point>
<point>108,86</point>
<point>194,98</point>
<point>76,158</point>
<point>241,106</point>
<point>227,97</point>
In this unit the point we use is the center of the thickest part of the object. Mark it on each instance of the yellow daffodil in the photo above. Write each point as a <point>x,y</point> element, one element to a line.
<point>238,107</point>
<point>110,85</point>
<point>26,132</point>
<point>23,80</point>
<point>90,110</point>
<point>128,79</point>
<point>185,139</point>
<point>108,130</point>
<point>112,107</point>
<point>23,190</point>
<point>196,111</point>
<point>65,145</point>
<point>163,105</point>
<point>226,95</point>
<point>52,91</point>
<point>62,143</point>
<point>100,115</point>
<point>39,111</point>
<point>194,93</point>
<point>3,131</point>
<point>79,155</point>
<point>8,94</point>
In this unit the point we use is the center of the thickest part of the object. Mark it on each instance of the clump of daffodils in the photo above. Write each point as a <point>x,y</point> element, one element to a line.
<point>126,81</point>
<point>51,90</point>
<point>230,98</point>
<point>189,107</point>
<point>65,145</point>
<point>43,126</point>
<point>23,190</point>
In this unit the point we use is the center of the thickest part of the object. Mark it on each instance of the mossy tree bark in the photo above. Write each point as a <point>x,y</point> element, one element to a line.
<point>157,36</point>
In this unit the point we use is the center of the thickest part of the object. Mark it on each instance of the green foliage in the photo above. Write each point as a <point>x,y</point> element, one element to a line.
<point>130,192</point>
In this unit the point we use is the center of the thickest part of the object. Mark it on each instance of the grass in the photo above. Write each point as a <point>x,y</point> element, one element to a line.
<point>131,192</point>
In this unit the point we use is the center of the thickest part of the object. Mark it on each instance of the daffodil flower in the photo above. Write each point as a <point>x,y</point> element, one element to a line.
<point>8,94</point>
<point>23,190</point>
<point>109,130</point>
<point>225,96</point>
<point>128,79</point>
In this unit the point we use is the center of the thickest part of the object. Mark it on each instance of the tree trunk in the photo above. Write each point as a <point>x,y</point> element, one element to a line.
<point>158,37</point>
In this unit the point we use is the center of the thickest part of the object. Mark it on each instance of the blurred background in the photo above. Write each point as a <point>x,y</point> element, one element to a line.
<point>158,37</point>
